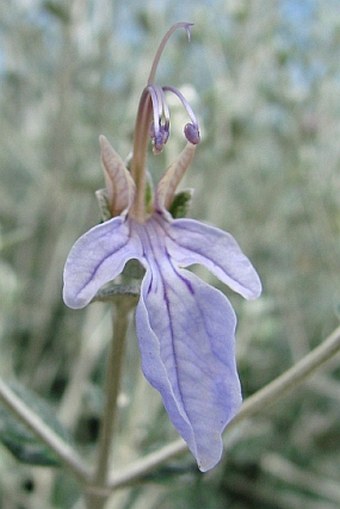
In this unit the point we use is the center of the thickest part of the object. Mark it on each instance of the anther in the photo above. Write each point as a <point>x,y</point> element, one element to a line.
<point>192,133</point>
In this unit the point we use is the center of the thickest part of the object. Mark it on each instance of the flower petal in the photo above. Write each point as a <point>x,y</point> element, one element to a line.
<point>186,331</point>
<point>190,242</point>
<point>96,258</point>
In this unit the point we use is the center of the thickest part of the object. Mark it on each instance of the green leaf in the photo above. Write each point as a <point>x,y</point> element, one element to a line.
<point>55,9</point>
<point>181,203</point>
<point>18,438</point>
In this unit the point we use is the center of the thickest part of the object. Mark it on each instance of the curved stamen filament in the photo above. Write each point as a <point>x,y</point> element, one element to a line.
<point>184,102</point>
<point>161,118</point>
<point>152,106</point>
<point>157,106</point>
<point>176,26</point>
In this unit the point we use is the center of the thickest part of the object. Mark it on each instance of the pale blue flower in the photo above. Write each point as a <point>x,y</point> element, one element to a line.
<point>185,327</point>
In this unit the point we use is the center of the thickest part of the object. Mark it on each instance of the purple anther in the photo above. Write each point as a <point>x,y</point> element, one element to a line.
<point>191,130</point>
<point>192,133</point>
<point>160,138</point>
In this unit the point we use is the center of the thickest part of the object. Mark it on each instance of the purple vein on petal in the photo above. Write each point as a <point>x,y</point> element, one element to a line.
<point>88,266</point>
<point>98,266</point>
<point>194,249</point>
<point>167,304</point>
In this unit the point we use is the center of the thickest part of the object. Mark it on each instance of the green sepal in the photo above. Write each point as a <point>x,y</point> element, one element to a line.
<point>148,194</point>
<point>181,203</point>
<point>112,291</point>
<point>128,286</point>
<point>18,438</point>
<point>133,272</point>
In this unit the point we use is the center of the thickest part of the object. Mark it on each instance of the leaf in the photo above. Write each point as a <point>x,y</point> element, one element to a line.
<point>55,9</point>
<point>17,437</point>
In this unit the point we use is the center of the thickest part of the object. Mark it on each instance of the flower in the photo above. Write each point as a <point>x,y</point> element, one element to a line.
<point>185,327</point>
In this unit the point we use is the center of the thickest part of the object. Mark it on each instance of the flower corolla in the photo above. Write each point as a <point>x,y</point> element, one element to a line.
<point>185,327</point>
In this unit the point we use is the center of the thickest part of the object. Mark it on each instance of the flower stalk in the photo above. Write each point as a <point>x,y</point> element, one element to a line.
<point>97,492</point>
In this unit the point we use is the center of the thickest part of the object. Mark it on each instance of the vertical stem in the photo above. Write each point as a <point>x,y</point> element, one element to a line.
<point>112,387</point>
<point>98,491</point>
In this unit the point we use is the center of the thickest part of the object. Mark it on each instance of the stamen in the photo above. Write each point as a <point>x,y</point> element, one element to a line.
<point>176,26</point>
<point>166,113</point>
<point>191,130</point>
<point>192,133</point>
<point>159,139</point>
<point>160,127</point>
<point>153,119</point>
<point>157,114</point>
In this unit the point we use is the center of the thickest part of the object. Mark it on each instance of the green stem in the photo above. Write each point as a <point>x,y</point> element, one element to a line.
<point>290,379</point>
<point>269,394</point>
<point>65,453</point>
<point>97,492</point>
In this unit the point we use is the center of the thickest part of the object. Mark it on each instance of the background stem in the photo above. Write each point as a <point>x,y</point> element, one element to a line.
<point>269,394</point>
<point>65,452</point>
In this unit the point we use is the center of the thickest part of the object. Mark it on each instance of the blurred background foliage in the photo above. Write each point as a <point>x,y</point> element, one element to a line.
<point>263,77</point>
